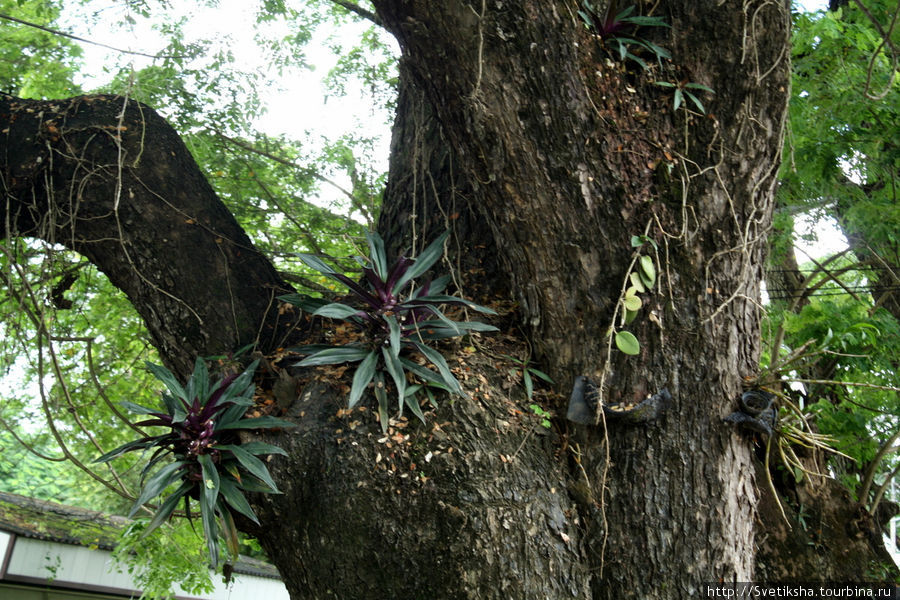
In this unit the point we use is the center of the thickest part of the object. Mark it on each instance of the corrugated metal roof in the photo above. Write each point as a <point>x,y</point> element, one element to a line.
<point>40,519</point>
<point>44,520</point>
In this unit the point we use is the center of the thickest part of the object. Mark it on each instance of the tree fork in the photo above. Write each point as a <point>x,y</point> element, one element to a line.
<point>109,178</point>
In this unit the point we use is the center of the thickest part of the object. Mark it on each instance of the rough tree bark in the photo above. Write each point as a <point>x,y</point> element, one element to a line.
<point>564,153</point>
<point>561,148</point>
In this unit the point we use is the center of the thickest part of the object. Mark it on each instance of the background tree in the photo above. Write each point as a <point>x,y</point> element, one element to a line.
<point>832,318</point>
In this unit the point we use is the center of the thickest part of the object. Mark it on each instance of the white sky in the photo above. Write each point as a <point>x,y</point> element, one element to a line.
<point>296,102</point>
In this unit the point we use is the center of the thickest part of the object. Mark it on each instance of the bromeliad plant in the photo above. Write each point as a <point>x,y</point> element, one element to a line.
<point>397,318</point>
<point>210,465</point>
<point>617,30</point>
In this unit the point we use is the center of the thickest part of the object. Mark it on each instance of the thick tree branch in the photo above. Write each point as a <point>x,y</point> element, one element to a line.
<point>110,179</point>
<point>359,10</point>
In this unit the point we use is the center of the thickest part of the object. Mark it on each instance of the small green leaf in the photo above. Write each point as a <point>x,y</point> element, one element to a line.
<point>236,500</point>
<point>158,483</point>
<point>395,368</point>
<point>630,315</point>
<point>132,445</point>
<point>432,299</point>
<point>381,396</point>
<point>627,343</point>
<point>137,408</point>
<point>255,466</point>
<point>258,423</point>
<point>210,531</point>
<point>679,98</point>
<point>648,269</point>
<point>424,261</point>
<point>258,448</point>
<point>411,400</point>
<point>316,263</point>
<point>659,51</point>
<point>437,360</point>
<point>540,374</point>
<point>241,389</point>
<point>210,479</point>
<point>334,356</point>
<point>435,329</point>
<point>637,283</point>
<point>638,60</point>
<point>632,303</point>
<point>306,303</point>
<point>394,329</point>
<point>377,254</point>
<point>696,101</point>
<point>336,310</point>
<point>164,375</point>
<point>529,384</point>
<point>699,86</point>
<point>424,373</point>
<point>361,378</point>
<point>198,384</point>
<point>166,508</point>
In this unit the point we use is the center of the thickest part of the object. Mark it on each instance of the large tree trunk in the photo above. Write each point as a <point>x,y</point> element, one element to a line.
<point>560,146</point>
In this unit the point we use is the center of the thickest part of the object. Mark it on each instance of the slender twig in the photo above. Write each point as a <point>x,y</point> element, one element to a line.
<point>93,373</point>
<point>879,493</point>
<point>85,40</point>
<point>831,276</point>
<point>870,386</point>
<point>885,41</point>
<point>354,201</point>
<point>30,448</point>
<point>869,476</point>
<point>771,483</point>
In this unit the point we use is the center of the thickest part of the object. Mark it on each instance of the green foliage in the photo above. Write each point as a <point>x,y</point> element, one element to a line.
<point>542,414</point>
<point>174,555</point>
<point>640,280</point>
<point>373,64</point>
<point>855,347</point>
<point>396,318</point>
<point>66,413</point>
<point>841,156</point>
<point>210,466</point>
<point>841,161</point>
<point>78,342</point>
<point>281,193</point>
<point>627,343</point>
<point>33,475</point>
<point>36,63</point>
